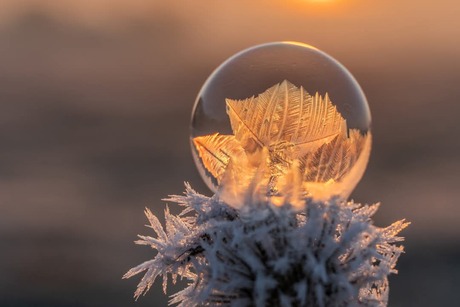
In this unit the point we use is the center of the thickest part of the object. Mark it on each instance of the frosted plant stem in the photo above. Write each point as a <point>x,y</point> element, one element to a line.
<point>322,254</point>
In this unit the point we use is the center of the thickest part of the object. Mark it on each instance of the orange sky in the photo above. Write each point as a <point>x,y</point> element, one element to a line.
<point>440,14</point>
<point>412,32</point>
<point>375,34</point>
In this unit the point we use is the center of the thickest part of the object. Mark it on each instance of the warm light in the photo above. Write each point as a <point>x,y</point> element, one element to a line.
<point>299,44</point>
<point>283,133</point>
<point>320,1</point>
<point>315,7</point>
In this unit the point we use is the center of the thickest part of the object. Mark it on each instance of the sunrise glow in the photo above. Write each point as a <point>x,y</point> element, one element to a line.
<point>320,1</point>
<point>315,7</point>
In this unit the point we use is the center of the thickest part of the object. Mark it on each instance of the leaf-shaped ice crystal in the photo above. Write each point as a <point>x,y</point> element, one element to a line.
<point>215,150</point>
<point>284,115</point>
<point>290,125</point>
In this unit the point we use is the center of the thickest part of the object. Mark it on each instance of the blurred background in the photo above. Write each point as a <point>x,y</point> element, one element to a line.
<point>96,97</point>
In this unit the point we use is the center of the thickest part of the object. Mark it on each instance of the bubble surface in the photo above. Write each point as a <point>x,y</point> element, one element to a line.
<point>278,112</point>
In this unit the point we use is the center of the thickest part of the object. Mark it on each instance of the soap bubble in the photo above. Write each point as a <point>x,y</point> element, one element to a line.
<point>281,111</point>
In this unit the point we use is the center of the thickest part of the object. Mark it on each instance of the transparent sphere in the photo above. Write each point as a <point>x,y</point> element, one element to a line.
<point>285,114</point>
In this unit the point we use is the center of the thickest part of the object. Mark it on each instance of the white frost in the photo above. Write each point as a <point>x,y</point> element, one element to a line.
<point>323,254</point>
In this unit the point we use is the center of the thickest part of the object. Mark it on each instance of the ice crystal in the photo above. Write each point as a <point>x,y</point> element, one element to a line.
<point>290,125</point>
<point>265,254</point>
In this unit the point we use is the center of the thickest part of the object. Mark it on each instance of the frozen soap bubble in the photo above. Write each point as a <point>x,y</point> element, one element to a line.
<point>284,117</point>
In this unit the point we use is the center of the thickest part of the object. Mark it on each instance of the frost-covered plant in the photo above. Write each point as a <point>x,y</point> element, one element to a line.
<point>262,254</point>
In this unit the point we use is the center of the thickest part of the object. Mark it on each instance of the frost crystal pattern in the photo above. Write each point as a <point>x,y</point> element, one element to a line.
<point>286,130</point>
<point>317,254</point>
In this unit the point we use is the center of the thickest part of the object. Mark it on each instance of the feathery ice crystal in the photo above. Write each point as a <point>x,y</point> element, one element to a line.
<point>296,103</point>
<point>318,254</point>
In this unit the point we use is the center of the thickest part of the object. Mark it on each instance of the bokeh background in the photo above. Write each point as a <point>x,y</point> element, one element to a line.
<point>96,97</point>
